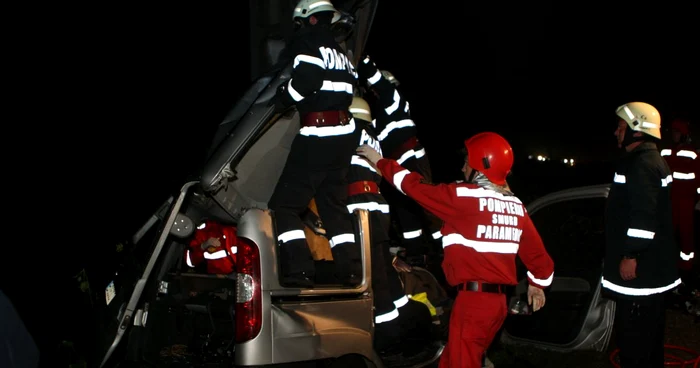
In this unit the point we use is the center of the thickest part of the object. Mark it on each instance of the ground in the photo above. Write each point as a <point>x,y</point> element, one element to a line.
<point>681,330</point>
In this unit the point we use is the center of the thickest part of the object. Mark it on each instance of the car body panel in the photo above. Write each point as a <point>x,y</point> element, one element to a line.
<point>308,326</point>
<point>576,284</point>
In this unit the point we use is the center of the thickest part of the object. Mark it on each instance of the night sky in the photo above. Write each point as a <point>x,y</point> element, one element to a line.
<point>153,84</point>
<point>548,79</point>
<point>544,77</point>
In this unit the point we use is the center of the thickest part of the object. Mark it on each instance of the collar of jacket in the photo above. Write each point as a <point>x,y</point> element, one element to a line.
<point>481,180</point>
<point>645,146</point>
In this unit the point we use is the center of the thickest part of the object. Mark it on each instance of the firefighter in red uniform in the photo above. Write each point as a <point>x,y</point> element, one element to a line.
<point>485,227</point>
<point>682,159</point>
<point>216,244</point>
<point>683,162</point>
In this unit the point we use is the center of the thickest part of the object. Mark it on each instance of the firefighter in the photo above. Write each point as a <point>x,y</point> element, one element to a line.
<point>321,87</point>
<point>397,135</point>
<point>216,244</point>
<point>641,254</point>
<point>395,316</point>
<point>682,159</point>
<point>484,228</point>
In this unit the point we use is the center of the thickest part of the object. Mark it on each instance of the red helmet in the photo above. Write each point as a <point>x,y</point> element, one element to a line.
<point>681,125</point>
<point>490,154</point>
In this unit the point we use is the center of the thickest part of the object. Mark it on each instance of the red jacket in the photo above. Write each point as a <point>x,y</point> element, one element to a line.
<point>685,192</point>
<point>483,230</point>
<point>220,260</point>
<point>683,161</point>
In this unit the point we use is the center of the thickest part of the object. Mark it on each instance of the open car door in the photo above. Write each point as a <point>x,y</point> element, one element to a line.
<point>575,317</point>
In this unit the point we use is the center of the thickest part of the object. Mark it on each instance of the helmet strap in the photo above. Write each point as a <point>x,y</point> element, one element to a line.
<point>472,175</point>
<point>630,138</point>
<point>300,23</point>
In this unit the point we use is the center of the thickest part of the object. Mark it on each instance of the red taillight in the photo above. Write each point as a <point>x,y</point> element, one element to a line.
<point>248,298</point>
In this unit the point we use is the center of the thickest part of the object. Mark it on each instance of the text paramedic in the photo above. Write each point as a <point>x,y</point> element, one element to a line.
<point>502,221</point>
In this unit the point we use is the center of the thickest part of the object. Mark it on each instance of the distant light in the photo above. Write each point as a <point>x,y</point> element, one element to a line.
<point>566,161</point>
<point>540,158</point>
<point>529,157</point>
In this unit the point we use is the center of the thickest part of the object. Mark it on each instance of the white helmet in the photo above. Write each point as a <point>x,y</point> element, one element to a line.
<point>390,77</point>
<point>360,109</point>
<point>306,8</point>
<point>641,117</point>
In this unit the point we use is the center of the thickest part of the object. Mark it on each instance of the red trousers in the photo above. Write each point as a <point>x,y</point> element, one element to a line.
<point>683,212</point>
<point>476,318</point>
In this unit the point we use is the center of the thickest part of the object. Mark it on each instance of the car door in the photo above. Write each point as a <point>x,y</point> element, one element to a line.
<point>576,316</point>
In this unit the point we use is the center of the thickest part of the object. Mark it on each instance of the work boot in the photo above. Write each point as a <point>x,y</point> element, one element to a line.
<point>296,268</point>
<point>348,273</point>
<point>387,338</point>
<point>352,279</point>
<point>416,326</point>
<point>298,279</point>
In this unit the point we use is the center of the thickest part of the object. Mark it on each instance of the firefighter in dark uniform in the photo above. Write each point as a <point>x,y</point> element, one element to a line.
<point>397,135</point>
<point>640,261</point>
<point>395,316</point>
<point>321,86</point>
<point>682,159</point>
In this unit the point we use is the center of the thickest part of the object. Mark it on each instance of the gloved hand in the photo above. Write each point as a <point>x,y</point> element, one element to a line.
<point>370,154</point>
<point>281,89</point>
<point>211,243</point>
<point>366,70</point>
<point>280,98</point>
<point>400,265</point>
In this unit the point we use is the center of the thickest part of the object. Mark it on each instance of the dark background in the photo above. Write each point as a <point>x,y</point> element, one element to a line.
<point>123,103</point>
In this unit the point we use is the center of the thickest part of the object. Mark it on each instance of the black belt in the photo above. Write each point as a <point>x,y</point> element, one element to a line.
<point>482,286</point>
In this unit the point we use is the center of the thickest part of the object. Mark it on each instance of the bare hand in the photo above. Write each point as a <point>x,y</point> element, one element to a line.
<point>628,269</point>
<point>369,153</point>
<point>535,297</point>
